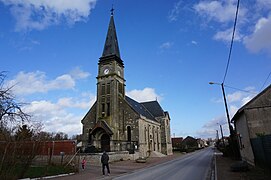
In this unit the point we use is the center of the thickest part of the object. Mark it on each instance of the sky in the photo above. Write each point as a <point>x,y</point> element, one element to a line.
<point>171,51</point>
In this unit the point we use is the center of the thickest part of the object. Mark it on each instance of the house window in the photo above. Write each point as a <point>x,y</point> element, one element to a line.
<point>129,133</point>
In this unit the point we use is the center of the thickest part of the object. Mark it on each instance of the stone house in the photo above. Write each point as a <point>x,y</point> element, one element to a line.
<point>176,143</point>
<point>117,122</point>
<point>252,121</point>
<point>201,143</point>
<point>190,143</point>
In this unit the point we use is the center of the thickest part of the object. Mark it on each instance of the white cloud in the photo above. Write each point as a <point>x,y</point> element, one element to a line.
<point>260,39</point>
<point>39,14</point>
<point>33,82</point>
<point>65,113</point>
<point>253,26</point>
<point>209,128</point>
<point>194,42</point>
<point>37,82</point>
<point>235,97</point>
<point>77,73</point>
<point>174,13</point>
<point>214,122</point>
<point>55,117</point>
<point>240,97</point>
<point>206,133</point>
<point>226,35</point>
<point>220,11</point>
<point>166,45</point>
<point>75,103</point>
<point>147,94</point>
<point>62,82</point>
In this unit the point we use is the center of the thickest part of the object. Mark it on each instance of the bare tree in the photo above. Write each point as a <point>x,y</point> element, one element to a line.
<point>16,148</point>
<point>10,110</point>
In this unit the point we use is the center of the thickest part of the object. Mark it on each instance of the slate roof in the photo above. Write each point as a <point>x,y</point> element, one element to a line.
<point>150,110</point>
<point>111,46</point>
<point>154,108</point>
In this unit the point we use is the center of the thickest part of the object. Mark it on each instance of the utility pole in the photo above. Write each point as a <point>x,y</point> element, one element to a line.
<point>222,137</point>
<point>227,111</point>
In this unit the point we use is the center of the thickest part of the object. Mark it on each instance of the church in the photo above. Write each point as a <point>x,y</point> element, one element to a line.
<point>117,122</point>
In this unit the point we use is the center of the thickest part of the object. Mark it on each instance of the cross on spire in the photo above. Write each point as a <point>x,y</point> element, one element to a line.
<point>112,10</point>
<point>111,46</point>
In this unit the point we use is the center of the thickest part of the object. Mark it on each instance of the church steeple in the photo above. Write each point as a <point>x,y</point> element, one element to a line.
<point>111,46</point>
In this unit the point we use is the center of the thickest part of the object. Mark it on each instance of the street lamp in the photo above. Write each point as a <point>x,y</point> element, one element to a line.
<point>226,106</point>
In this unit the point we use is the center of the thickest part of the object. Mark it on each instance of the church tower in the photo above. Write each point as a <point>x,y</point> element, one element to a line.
<point>110,80</point>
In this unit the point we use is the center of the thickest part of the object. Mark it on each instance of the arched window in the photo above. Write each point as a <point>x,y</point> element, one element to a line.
<point>128,133</point>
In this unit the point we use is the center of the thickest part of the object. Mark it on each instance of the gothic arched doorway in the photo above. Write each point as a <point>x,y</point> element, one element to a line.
<point>105,142</point>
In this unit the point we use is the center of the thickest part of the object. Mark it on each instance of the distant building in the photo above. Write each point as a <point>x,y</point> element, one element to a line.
<point>176,143</point>
<point>201,143</point>
<point>253,127</point>
<point>190,143</point>
<point>117,122</point>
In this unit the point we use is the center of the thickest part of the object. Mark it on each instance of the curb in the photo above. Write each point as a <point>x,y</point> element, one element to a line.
<point>49,177</point>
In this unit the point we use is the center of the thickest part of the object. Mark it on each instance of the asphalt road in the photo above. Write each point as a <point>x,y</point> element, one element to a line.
<point>193,166</point>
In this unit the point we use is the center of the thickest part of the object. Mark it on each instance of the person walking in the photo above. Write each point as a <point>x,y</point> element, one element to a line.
<point>84,163</point>
<point>104,161</point>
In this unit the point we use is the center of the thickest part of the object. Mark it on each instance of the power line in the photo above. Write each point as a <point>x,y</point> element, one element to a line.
<point>265,81</point>
<point>251,92</point>
<point>233,33</point>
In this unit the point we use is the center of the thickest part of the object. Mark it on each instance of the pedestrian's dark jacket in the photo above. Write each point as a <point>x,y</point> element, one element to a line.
<point>104,158</point>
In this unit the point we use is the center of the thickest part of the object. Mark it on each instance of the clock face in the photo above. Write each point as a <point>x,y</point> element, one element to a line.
<point>106,71</point>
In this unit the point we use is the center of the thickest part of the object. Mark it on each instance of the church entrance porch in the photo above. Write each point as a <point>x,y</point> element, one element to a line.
<point>105,142</point>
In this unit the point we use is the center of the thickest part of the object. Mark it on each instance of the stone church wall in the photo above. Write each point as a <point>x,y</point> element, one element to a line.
<point>95,159</point>
<point>129,118</point>
<point>149,138</point>
<point>88,123</point>
<point>165,136</point>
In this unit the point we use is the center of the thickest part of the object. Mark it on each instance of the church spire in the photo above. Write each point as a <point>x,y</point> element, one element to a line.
<point>111,46</point>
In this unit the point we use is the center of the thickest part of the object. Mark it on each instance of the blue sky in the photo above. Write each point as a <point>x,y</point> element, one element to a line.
<point>171,51</point>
